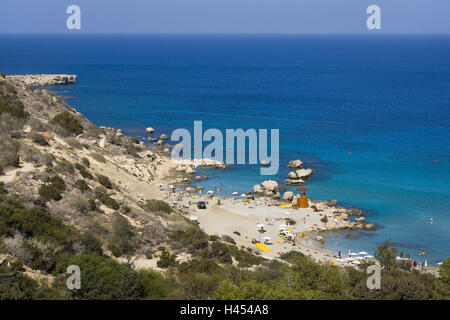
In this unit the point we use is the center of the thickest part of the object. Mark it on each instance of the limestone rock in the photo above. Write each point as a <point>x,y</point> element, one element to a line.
<point>164,136</point>
<point>189,170</point>
<point>370,227</point>
<point>149,130</point>
<point>303,173</point>
<point>288,196</point>
<point>270,185</point>
<point>26,129</point>
<point>265,163</point>
<point>295,164</point>
<point>257,188</point>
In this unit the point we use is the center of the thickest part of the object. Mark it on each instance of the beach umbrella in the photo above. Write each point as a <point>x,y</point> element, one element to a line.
<point>267,238</point>
<point>439,263</point>
<point>260,225</point>
<point>243,195</point>
<point>340,260</point>
<point>193,218</point>
<point>171,187</point>
<point>356,262</point>
<point>235,193</point>
<point>353,254</point>
<point>368,256</point>
<point>362,253</point>
<point>210,191</point>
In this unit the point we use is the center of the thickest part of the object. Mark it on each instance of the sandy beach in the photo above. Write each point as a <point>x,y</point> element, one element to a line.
<point>239,220</point>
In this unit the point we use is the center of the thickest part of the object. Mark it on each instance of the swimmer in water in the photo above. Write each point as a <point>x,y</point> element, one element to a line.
<point>431,220</point>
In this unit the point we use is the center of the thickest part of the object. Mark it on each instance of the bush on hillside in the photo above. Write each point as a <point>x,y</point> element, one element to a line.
<point>68,122</point>
<point>39,139</point>
<point>104,181</point>
<point>158,206</point>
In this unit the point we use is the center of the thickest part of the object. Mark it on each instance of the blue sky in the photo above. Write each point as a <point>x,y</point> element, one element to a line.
<point>225,16</point>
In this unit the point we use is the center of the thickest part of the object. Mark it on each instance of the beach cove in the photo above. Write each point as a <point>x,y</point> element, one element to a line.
<point>370,116</point>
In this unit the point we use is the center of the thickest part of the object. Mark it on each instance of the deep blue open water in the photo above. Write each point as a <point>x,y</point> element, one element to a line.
<point>370,114</point>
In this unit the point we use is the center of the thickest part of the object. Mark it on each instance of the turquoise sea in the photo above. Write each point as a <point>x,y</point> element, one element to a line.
<point>370,114</point>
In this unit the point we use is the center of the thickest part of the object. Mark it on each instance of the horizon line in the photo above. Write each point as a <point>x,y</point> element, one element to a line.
<point>225,34</point>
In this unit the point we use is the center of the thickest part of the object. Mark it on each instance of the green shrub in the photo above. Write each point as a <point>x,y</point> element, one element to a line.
<point>9,153</point>
<point>126,209</point>
<point>98,157</point>
<point>91,243</point>
<point>122,236</point>
<point>81,185</point>
<point>73,142</point>
<point>11,104</point>
<point>39,139</point>
<point>83,171</point>
<point>199,266</point>
<point>166,260</point>
<point>68,122</point>
<point>156,287</point>
<point>193,239</point>
<point>214,237</point>
<point>104,198</point>
<point>220,252</point>
<point>65,166</point>
<point>104,181</point>
<point>104,278</point>
<point>15,285</point>
<point>228,239</point>
<point>86,162</point>
<point>158,206</point>
<point>52,190</point>
<point>49,192</point>
<point>92,205</point>
<point>2,172</point>
<point>58,183</point>
<point>33,223</point>
<point>2,188</point>
<point>134,151</point>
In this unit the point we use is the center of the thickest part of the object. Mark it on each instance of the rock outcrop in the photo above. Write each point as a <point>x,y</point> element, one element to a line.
<point>288,196</point>
<point>39,80</point>
<point>337,219</point>
<point>295,164</point>
<point>268,188</point>
<point>297,177</point>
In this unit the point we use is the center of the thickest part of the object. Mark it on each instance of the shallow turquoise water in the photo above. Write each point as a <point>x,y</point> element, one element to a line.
<point>384,99</point>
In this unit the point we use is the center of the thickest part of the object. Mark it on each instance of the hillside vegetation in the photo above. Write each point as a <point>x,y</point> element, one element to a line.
<point>70,205</point>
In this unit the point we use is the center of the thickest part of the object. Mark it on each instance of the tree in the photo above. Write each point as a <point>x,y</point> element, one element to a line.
<point>387,255</point>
